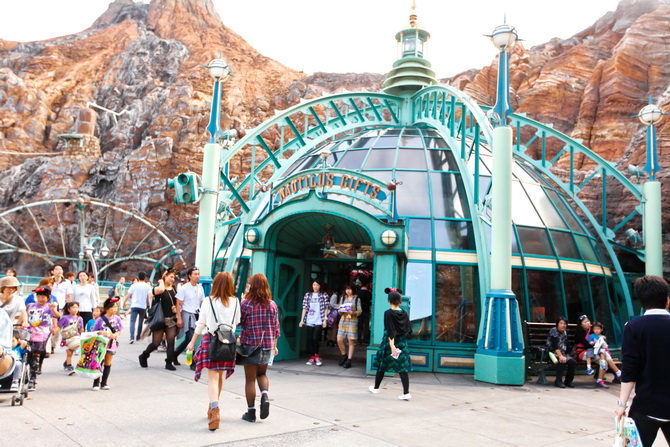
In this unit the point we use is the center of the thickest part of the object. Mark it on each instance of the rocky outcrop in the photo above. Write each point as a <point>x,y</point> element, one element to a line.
<point>144,62</point>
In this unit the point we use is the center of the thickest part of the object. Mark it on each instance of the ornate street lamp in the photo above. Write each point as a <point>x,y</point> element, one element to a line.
<point>93,254</point>
<point>650,115</point>
<point>211,166</point>
<point>504,37</point>
<point>499,358</point>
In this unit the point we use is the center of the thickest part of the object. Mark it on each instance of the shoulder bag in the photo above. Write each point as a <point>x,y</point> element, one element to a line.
<point>252,355</point>
<point>156,316</point>
<point>222,345</point>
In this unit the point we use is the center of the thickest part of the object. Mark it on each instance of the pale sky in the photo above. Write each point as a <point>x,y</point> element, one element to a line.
<point>342,35</point>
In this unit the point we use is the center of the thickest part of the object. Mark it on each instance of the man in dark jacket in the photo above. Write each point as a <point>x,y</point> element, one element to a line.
<point>646,361</point>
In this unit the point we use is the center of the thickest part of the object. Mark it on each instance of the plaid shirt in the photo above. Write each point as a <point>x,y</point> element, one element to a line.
<point>259,324</point>
<point>324,304</point>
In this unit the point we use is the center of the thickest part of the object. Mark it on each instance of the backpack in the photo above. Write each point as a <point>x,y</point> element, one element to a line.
<point>111,291</point>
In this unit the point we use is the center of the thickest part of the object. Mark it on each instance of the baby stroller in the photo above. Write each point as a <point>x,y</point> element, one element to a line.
<point>8,359</point>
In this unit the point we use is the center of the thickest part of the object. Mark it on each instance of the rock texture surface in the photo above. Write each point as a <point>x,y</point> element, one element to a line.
<point>144,61</point>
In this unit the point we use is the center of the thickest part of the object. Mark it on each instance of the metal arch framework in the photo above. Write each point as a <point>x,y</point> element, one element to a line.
<point>459,119</point>
<point>301,128</point>
<point>48,256</point>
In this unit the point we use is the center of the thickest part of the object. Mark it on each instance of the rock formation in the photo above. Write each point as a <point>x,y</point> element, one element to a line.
<point>144,63</point>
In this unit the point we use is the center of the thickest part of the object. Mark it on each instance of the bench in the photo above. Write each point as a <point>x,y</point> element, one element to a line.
<point>536,351</point>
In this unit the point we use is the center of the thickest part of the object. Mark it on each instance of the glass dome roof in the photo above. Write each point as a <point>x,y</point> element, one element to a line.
<point>432,198</point>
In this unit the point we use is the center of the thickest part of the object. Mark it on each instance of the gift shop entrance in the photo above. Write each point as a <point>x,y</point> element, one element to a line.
<point>316,238</point>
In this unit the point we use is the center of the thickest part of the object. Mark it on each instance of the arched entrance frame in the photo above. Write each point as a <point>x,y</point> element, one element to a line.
<point>388,261</point>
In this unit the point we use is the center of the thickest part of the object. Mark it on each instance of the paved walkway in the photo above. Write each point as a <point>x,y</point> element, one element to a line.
<point>325,406</point>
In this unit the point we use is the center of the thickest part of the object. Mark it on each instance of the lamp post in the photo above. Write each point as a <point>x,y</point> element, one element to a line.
<point>650,115</point>
<point>93,254</point>
<point>219,71</point>
<point>499,358</point>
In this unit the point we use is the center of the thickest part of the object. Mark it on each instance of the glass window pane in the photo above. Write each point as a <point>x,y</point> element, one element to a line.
<point>301,165</point>
<point>565,245</point>
<point>411,159</point>
<point>576,295</point>
<point>534,241</point>
<point>380,159</point>
<point>412,196</point>
<point>515,242</point>
<point>382,176</point>
<point>523,212</point>
<point>419,289</point>
<point>387,141</point>
<point>448,195</point>
<point>586,248</point>
<point>436,143</point>
<point>602,306</point>
<point>420,234</point>
<point>455,303</point>
<point>454,235</point>
<point>544,206</point>
<point>363,142</point>
<point>411,131</point>
<point>442,161</point>
<point>352,159</point>
<point>544,293</point>
<point>410,141</point>
<point>565,212</point>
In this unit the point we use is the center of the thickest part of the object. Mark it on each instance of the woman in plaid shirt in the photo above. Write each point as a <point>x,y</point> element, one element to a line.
<point>315,317</point>
<point>260,327</point>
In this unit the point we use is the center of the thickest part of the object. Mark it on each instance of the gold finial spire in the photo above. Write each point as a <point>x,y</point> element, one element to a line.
<point>412,17</point>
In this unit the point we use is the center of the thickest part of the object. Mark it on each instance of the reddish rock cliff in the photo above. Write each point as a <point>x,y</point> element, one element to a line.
<point>145,61</point>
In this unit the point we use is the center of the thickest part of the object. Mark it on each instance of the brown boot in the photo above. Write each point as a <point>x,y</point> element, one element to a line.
<point>214,418</point>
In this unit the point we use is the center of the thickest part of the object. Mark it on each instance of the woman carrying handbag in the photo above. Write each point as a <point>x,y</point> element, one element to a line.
<point>220,308</point>
<point>164,298</point>
<point>258,340</point>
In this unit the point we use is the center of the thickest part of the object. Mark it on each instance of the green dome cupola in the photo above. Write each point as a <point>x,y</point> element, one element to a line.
<point>411,72</point>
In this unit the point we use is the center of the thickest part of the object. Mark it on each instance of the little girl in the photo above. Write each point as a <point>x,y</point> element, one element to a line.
<point>110,325</point>
<point>72,325</point>
<point>393,354</point>
<point>97,312</point>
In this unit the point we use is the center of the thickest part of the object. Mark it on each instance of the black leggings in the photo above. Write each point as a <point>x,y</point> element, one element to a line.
<point>313,339</point>
<point>648,428</point>
<point>404,378</point>
<point>157,337</point>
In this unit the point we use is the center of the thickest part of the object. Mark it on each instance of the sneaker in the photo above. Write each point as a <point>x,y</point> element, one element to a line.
<point>617,379</point>
<point>347,364</point>
<point>15,385</point>
<point>601,384</point>
<point>95,388</point>
<point>69,370</point>
<point>589,371</point>
<point>559,384</point>
<point>64,366</point>
<point>405,397</point>
<point>265,406</point>
<point>569,384</point>
<point>341,362</point>
<point>250,415</point>
<point>104,387</point>
<point>373,390</point>
<point>317,361</point>
<point>132,341</point>
<point>32,385</point>
<point>310,361</point>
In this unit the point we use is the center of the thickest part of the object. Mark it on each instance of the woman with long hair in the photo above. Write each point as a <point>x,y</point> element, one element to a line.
<point>260,328</point>
<point>222,307</point>
<point>165,294</point>
<point>86,295</point>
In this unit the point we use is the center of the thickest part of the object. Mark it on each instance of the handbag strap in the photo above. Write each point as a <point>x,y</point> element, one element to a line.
<point>104,318</point>
<point>214,312</point>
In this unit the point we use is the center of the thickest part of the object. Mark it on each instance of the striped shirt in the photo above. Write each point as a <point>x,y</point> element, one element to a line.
<point>260,324</point>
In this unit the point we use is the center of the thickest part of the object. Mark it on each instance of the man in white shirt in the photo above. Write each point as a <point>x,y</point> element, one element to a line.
<point>139,296</point>
<point>62,291</point>
<point>189,298</point>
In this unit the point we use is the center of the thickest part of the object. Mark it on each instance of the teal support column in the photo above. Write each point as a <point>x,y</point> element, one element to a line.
<point>207,216</point>
<point>499,358</point>
<point>386,266</point>
<point>653,240</point>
